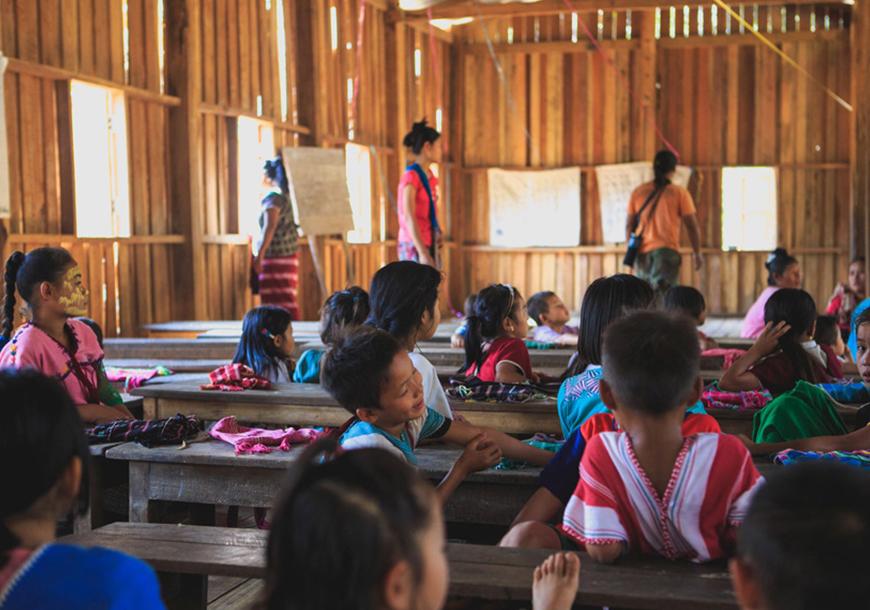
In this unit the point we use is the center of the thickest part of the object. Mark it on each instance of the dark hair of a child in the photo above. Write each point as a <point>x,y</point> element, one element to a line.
<point>796,308</point>
<point>493,305</point>
<point>537,305</point>
<point>354,516</point>
<point>344,309</point>
<point>40,435</point>
<point>356,367</point>
<point>421,133</point>
<point>685,300</point>
<point>256,348</point>
<point>399,294</point>
<point>777,264</point>
<point>26,272</point>
<point>606,299</point>
<point>651,360</point>
<point>805,537</point>
<point>826,330</point>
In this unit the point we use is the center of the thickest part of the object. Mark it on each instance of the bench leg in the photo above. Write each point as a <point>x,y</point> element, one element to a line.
<point>93,518</point>
<point>141,506</point>
<point>184,591</point>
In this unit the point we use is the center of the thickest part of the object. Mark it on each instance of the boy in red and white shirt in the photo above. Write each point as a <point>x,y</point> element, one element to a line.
<point>648,489</point>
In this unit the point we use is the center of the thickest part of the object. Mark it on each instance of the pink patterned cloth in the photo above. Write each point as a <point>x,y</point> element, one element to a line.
<point>235,378</point>
<point>134,378</point>
<point>730,355</point>
<point>258,440</point>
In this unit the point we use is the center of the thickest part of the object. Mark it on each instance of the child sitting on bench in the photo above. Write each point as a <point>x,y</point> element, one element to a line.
<point>266,345</point>
<point>367,516</point>
<point>803,544</point>
<point>44,461</point>
<point>552,317</point>
<point>648,488</point>
<point>370,374</point>
<point>343,310</point>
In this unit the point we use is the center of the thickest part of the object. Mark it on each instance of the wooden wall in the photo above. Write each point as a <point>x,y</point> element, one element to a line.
<point>721,100</point>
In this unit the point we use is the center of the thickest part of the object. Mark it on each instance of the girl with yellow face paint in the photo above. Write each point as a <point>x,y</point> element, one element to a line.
<point>53,341</point>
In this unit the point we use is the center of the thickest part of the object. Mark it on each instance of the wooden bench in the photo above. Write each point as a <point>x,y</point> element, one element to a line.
<point>232,329</point>
<point>311,405</point>
<point>209,473</point>
<point>193,553</point>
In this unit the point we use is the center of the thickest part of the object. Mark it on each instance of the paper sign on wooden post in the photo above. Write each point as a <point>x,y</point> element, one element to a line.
<point>318,189</point>
<point>615,185</point>
<point>5,205</point>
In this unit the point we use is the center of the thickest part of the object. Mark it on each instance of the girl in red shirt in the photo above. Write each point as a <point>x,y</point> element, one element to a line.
<point>419,232</point>
<point>494,346</point>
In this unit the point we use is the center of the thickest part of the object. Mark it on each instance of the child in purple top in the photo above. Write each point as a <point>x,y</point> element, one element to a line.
<point>552,317</point>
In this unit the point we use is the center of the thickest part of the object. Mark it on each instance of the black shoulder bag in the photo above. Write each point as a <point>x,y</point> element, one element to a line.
<point>636,239</point>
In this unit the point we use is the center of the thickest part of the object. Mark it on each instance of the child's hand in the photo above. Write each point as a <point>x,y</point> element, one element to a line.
<point>457,341</point>
<point>768,340</point>
<point>479,454</point>
<point>535,377</point>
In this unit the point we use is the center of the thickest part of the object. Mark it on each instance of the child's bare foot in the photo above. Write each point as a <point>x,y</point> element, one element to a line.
<point>555,582</point>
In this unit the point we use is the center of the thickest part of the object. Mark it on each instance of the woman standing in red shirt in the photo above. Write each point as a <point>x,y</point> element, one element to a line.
<point>419,232</point>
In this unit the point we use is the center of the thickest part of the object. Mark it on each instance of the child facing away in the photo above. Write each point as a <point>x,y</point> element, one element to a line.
<point>803,544</point>
<point>266,345</point>
<point>53,341</point>
<point>404,303</point>
<point>785,351</point>
<point>371,375</point>
<point>648,488</point>
<point>342,311</point>
<point>690,302</point>
<point>828,333</point>
<point>370,517</point>
<point>44,458</point>
<point>494,345</point>
<point>552,317</point>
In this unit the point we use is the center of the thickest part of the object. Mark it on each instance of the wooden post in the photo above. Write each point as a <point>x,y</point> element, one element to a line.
<point>184,81</point>
<point>644,144</point>
<point>860,144</point>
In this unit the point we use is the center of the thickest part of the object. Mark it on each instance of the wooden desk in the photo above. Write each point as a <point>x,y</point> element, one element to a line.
<point>210,473</point>
<point>476,572</point>
<point>309,405</point>
<point>232,329</point>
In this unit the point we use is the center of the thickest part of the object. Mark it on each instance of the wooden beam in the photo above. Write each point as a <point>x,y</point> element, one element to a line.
<point>555,7</point>
<point>555,46</point>
<point>860,140</point>
<point>644,145</point>
<point>230,111</point>
<point>53,73</point>
<point>184,75</point>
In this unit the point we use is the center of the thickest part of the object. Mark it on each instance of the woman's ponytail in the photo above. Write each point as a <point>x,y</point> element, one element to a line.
<point>13,264</point>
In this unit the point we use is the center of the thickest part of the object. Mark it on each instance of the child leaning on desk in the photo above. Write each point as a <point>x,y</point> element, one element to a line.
<point>370,374</point>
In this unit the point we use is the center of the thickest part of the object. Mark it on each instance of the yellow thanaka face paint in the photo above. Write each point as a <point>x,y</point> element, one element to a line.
<point>74,295</point>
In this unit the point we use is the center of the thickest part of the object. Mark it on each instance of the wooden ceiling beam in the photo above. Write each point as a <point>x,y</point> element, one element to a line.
<point>456,10</point>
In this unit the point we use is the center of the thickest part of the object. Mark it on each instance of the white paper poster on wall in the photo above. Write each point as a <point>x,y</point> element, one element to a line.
<point>615,185</point>
<point>318,189</point>
<point>534,208</point>
<point>5,205</point>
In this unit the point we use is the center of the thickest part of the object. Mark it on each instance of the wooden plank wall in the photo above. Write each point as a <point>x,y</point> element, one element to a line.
<point>722,100</point>
<point>51,42</point>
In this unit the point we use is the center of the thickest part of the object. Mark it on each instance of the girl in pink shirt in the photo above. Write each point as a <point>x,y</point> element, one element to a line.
<point>783,272</point>
<point>50,281</point>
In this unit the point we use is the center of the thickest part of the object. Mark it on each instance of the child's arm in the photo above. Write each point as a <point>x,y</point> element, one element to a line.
<point>605,553</point>
<point>480,453</point>
<point>508,372</point>
<point>738,378</point>
<point>461,433</point>
<point>543,506</point>
<point>854,441</point>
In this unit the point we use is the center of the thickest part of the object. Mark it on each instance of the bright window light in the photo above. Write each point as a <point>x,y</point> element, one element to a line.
<point>256,144</point>
<point>418,62</point>
<point>359,185</point>
<point>749,208</point>
<point>282,59</point>
<point>333,27</point>
<point>102,186</point>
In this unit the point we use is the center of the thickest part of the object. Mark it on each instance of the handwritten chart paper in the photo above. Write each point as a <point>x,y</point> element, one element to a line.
<point>318,189</point>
